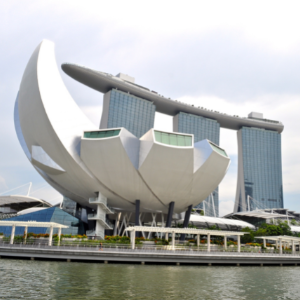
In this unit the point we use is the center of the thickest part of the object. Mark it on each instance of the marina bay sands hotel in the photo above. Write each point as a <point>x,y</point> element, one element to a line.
<point>129,105</point>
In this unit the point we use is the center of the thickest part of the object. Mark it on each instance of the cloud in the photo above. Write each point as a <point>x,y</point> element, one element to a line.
<point>272,24</point>
<point>2,183</point>
<point>93,112</point>
<point>226,207</point>
<point>45,192</point>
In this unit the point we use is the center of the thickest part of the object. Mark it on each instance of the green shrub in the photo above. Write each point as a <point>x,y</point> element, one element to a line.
<point>231,243</point>
<point>254,244</point>
<point>55,236</point>
<point>67,235</point>
<point>18,238</point>
<point>214,227</point>
<point>117,239</point>
<point>247,238</point>
<point>294,222</point>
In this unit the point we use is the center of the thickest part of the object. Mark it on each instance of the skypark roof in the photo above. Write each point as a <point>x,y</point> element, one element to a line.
<point>104,82</point>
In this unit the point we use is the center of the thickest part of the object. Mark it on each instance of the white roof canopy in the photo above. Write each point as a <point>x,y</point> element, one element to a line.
<point>184,230</point>
<point>295,228</point>
<point>32,224</point>
<point>20,199</point>
<point>220,221</point>
<point>259,214</point>
<point>280,237</point>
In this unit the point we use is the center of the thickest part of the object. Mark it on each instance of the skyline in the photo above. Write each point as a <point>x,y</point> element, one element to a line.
<point>238,72</point>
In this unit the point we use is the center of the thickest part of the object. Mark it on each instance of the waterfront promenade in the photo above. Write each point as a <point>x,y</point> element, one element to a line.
<point>146,255</point>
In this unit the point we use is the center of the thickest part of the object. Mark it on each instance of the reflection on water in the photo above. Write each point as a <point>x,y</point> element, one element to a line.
<point>21,279</point>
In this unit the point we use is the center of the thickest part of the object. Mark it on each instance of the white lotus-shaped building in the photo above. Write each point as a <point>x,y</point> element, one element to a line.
<point>108,166</point>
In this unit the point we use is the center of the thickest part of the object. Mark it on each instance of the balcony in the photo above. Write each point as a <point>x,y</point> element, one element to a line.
<point>102,219</point>
<point>103,204</point>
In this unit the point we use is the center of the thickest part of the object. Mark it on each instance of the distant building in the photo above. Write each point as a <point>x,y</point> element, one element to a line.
<point>271,216</point>
<point>259,170</point>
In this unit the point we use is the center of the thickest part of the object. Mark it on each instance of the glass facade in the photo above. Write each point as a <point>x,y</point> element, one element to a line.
<point>101,134</point>
<point>173,139</point>
<point>261,169</point>
<point>133,113</point>
<point>202,128</point>
<point>69,206</point>
<point>52,214</point>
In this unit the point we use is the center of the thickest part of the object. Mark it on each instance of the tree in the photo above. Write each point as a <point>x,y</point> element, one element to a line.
<point>261,231</point>
<point>272,230</point>
<point>286,229</point>
<point>190,225</point>
<point>282,228</point>
<point>247,238</point>
<point>214,227</point>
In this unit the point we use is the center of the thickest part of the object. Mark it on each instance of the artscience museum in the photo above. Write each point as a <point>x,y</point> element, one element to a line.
<point>126,166</point>
<point>125,170</point>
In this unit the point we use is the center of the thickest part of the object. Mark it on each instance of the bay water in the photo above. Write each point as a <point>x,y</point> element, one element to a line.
<point>23,279</point>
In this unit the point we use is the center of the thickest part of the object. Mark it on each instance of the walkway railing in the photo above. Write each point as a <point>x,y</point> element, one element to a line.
<point>103,202</point>
<point>108,247</point>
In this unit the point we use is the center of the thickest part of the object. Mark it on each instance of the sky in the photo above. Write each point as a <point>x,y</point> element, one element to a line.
<point>231,56</point>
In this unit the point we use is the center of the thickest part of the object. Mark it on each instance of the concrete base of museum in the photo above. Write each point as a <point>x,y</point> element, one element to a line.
<point>144,257</point>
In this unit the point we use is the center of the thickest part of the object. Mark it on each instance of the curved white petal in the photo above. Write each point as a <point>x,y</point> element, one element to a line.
<point>49,118</point>
<point>113,160</point>
<point>210,168</point>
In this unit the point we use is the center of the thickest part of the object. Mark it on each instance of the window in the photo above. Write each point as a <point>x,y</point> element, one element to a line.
<point>173,139</point>
<point>101,134</point>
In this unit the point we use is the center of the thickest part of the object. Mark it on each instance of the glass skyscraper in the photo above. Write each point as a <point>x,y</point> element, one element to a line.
<point>260,171</point>
<point>125,110</point>
<point>202,128</point>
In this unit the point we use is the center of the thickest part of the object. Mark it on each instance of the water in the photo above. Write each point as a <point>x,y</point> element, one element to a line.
<point>23,279</point>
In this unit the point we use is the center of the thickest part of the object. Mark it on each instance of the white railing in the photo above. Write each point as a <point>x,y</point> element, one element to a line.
<point>97,200</point>
<point>96,216</point>
<point>102,218</point>
<point>116,247</point>
<point>103,202</point>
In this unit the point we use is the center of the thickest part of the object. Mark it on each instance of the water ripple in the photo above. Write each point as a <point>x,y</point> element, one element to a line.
<point>21,279</point>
